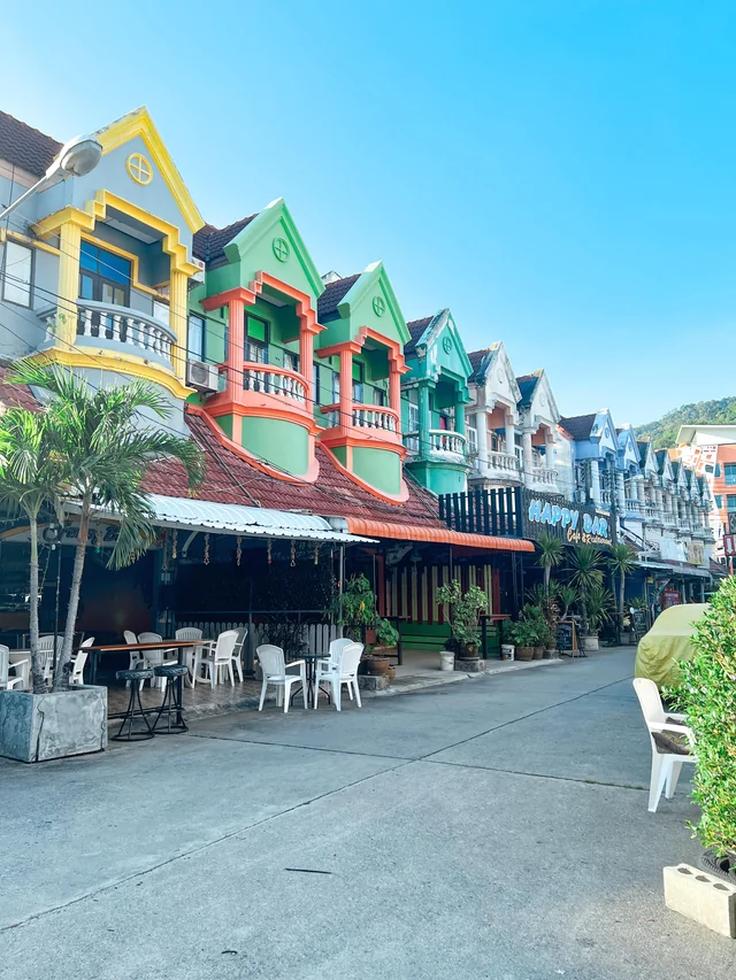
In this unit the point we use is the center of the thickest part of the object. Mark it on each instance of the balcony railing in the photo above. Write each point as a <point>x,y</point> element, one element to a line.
<point>498,465</point>
<point>495,512</point>
<point>375,417</point>
<point>543,476</point>
<point>269,380</point>
<point>442,443</point>
<point>139,333</point>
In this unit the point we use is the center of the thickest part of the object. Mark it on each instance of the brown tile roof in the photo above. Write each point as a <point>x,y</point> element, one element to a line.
<point>231,479</point>
<point>333,295</point>
<point>578,426</point>
<point>416,329</point>
<point>476,358</point>
<point>26,147</point>
<point>209,242</point>
<point>13,395</point>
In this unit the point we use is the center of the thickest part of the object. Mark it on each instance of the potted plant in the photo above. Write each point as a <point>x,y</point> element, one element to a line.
<point>387,637</point>
<point>545,602</point>
<point>621,561</point>
<point>707,695</point>
<point>587,578</point>
<point>598,604</point>
<point>524,637</point>
<point>356,609</point>
<point>86,448</point>
<point>464,610</point>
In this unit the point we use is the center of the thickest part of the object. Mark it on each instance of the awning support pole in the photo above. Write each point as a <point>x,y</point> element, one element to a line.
<point>341,583</point>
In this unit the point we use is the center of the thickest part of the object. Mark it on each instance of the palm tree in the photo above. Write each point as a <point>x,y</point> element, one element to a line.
<point>102,447</point>
<point>622,561</point>
<point>585,565</point>
<point>566,595</point>
<point>27,485</point>
<point>551,553</point>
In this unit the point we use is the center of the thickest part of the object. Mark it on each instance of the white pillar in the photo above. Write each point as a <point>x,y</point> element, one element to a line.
<point>526,451</point>
<point>641,490</point>
<point>595,481</point>
<point>620,490</point>
<point>510,428</point>
<point>549,456</point>
<point>481,426</point>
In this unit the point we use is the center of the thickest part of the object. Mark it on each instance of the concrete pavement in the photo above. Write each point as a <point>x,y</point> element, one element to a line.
<point>495,829</point>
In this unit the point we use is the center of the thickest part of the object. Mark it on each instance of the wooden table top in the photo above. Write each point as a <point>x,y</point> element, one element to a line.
<point>156,645</point>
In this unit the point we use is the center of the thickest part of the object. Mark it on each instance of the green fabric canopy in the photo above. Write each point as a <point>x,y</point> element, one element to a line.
<point>668,642</point>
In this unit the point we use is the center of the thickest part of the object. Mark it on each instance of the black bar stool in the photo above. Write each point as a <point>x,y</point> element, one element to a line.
<point>135,675</point>
<point>171,700</point>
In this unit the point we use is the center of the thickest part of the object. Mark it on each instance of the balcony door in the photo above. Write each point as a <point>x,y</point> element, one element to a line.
<point>103,276</point>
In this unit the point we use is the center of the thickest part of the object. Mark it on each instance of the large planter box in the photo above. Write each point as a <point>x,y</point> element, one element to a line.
<point>38,727</point>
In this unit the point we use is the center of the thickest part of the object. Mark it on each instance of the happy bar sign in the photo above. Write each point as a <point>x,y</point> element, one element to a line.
<point>576,524</point>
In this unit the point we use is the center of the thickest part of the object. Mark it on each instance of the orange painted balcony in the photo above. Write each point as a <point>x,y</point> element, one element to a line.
<point>370,422</point>
<point>274,381</point>
<point>264,390</point>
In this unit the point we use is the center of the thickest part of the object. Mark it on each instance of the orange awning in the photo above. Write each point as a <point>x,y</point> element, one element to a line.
<point>438,535</point>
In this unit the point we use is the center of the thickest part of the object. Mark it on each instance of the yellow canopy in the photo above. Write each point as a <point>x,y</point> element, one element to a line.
<point>668,642</point>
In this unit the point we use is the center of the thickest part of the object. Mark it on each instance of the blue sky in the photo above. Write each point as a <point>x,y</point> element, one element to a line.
<point>560,174</point>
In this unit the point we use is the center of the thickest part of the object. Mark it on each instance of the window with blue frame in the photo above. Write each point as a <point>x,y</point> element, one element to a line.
<point>731,502</point>
<point>103,276</point>
<point>719,501</point>
<point>729,473</point>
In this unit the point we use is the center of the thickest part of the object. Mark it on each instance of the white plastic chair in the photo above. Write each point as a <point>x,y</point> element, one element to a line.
<point>341,668</point>
<point>156,658</point>
<point>275,673</point>
<point>78,661</point>
<point>135,656</point>
<point>237,658</point>
<point>8,682</point>
<point>668,755</point>
<point>192,654</point>
<point>218,658</point>
<point>46,646</point>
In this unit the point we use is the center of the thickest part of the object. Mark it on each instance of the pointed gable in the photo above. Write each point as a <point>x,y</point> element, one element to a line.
<point>362,303</point>
<point>664,465</point>
<point>628,448</point>
<point>648,458</point>
<point>496,376</point>
<point>537,400</point>
<point>436,347</point>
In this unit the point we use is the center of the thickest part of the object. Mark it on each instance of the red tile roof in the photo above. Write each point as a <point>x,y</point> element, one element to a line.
<point>26,147</point>
<point>230,478</point>
<point>13,395</point>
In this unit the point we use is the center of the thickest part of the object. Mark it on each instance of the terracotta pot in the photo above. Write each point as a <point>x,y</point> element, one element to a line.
<point>378,665</point>
<point>525,653</point>
<point>538,653</point>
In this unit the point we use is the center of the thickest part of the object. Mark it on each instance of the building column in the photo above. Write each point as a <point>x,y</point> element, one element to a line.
<point>460,418</point>
<point>641,490</point>
<point>306,357</point>
<point>424,419</point>
<point>70,240</point>
<point>620,489</point>
<point>481,427</point>
<point>235,348</point>
<point>549,450</point>
<point>178,319</point>
<point>526,452</point>
<point>510,434</point>
<point>346,389</point>
<point>595,481</point>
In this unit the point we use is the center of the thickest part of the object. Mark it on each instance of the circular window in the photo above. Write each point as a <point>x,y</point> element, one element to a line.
<point>379,307</point>
<point>280,249</point>
<point>447,343</point>
<point>139,169</point>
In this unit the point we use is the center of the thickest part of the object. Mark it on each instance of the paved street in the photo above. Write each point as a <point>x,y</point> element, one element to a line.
<point>494,828</point>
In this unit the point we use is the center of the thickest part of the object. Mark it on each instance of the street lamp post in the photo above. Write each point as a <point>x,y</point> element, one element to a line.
<point>75,159</point>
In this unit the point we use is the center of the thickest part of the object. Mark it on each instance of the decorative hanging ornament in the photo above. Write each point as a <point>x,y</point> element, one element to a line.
<point>173,544</point>
<point>268,551</point>
<point>293,554</point>
<point>316,554</point>
<point>165,548</point>
<point>206,549</point>
<point>238,550</point>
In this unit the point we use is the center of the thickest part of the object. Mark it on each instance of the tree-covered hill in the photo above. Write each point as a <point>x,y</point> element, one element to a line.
<point>663,432</point>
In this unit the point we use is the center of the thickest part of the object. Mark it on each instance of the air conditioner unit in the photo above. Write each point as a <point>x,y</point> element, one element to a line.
<point>198,276</point>
<point>203,377</point>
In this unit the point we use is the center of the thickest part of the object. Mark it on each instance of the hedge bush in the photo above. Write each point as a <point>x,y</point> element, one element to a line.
<point>707,695</point>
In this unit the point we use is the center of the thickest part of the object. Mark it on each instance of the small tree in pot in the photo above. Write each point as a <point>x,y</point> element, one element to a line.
<point>707,694</point>
<point>465,609</point>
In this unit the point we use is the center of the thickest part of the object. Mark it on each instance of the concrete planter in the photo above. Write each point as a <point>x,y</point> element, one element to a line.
<point>590,642</point>
<point>469,665</point>
<point>38,727</point>
<point>702,897</point>
<point>447,660</point>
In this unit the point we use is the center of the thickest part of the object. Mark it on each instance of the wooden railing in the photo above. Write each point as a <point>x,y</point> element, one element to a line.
<point>491,511</point>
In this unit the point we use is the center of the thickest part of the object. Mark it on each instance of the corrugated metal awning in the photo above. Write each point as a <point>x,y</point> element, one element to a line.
<point>438,535</point>
<point>259,522</point>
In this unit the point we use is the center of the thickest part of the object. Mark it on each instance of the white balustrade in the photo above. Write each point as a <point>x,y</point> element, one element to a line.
<point>375,417</point>
<point>544,475</point>
<point>129,328</point>
<point>446,442</point>
<point>274,381</point>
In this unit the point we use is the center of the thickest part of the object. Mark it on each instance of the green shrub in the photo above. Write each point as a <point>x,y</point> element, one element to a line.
<point>707,695</point>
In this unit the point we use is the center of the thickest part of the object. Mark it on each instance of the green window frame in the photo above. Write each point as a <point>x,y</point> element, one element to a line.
<point>257,335</point>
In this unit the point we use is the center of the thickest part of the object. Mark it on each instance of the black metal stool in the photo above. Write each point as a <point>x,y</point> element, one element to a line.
<point>135,675</point>
<point>171,700</point>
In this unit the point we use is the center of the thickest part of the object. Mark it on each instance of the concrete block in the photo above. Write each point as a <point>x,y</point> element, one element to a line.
<point>373,682</point>
<point>471,665</point>
<point>38,727</point>
<point>706,899</point>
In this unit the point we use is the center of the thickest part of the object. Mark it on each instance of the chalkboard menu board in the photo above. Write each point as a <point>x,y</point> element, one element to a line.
<point>565,636</point>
